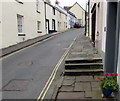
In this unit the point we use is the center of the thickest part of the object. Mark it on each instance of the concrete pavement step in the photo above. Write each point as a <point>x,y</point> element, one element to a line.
<point>83,72</point>
<point>83,60</point>
<point>84,66</point>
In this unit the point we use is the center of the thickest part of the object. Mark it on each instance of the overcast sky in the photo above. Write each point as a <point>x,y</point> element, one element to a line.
<point>70,2</point>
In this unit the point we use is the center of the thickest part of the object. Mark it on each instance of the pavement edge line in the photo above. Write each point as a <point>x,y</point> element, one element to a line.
<point>26,48</point>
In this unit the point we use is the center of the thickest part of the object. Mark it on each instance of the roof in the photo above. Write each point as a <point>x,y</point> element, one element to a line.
<point>54,7</point>
<point>69,7</point>
<point>61,9</point>
<point>71,14</point>
<point>49,4</point>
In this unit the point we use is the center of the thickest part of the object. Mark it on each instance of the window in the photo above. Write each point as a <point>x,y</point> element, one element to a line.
<point>66,17</point>
<point>20,23</point>
<point>60,14</point>
<point>38,27</point>
<point>58,23</point>
<point>53,11</point>
<point>53,24</point>
<point>37,6</point>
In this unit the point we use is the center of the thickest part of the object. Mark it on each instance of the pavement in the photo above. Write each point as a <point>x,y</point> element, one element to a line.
<point>81,87</point>
<point>25,73</point>
<point>16,47</point>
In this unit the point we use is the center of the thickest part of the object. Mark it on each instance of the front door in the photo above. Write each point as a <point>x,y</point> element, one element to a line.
<point>93,26</point>
<point>47,26</point>
<point>53,24</point>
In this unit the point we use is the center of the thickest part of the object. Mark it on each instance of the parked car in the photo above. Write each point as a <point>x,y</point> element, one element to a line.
<point>77,25</point>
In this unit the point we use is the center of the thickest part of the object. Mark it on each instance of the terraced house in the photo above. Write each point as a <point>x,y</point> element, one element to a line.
<point>29,20</point>
<point>50,16</point>
<point>62,16</point>
<point>56,19</point>
<point>69,18</point>
<point>22,21</point>
<point>78,11</point>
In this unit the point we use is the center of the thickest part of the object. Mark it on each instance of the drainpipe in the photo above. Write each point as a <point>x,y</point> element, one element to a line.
<point>86,20</point>
<point>88,17</point>
<point>45,17</point>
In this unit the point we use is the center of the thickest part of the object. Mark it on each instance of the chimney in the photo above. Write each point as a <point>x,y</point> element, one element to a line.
<point>57,2</point>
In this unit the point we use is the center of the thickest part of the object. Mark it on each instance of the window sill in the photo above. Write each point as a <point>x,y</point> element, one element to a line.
<point>21,34</point>
<point>38,12</point>
<point>39,31</point>
<point>19,1</point>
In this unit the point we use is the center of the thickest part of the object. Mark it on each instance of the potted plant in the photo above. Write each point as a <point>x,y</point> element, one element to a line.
<point>108,84</point>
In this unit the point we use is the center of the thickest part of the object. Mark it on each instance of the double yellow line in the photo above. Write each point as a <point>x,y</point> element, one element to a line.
<point>52,76</point>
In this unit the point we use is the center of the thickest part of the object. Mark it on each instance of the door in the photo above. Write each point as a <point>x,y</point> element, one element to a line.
<point>53,24</point>
<point>47,26</point>
<point>93,26</point>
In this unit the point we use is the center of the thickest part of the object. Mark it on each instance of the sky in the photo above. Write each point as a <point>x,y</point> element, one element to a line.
<point>70,2</point>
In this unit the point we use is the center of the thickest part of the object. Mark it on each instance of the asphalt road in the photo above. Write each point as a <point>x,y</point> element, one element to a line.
<point>24,74</point>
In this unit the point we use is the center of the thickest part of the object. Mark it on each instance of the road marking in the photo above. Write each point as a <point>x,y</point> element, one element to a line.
<point>52,76</point>
<point>26,48</point>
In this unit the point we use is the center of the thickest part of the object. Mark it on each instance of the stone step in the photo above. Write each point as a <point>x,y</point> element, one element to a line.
<point>84,66</point>
<point>83,72</point>
<point>83,60</point>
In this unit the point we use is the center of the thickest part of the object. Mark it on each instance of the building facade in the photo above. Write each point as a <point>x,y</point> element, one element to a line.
<point>78,11</point>
<point>104,31</point>
<point>0,25</point>
<point>29,20</point>
<point>22,21</point>
<point>62,16</point>
<point>71,19</point>
<point>97,24</point>
<point>51,18</point>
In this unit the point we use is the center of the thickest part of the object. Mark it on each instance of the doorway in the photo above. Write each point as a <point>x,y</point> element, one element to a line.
<point>93,24</point>
<point>47,26</point>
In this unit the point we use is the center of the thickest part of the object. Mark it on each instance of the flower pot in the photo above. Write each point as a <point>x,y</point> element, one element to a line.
<point>106,92</point>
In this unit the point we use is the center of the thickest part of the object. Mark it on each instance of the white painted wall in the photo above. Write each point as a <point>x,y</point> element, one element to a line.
<point>104,26</point>
<point>50,16</point>
<point>0,24</point>
<point>58,21</point>
<point>62,18</point>
<point>28,11</point>
<point>100,33</point>
<point>0,51</point>
<point>90,18</point>
<point>63,22</point>
<point>101,15</point>
<point>70,19</point>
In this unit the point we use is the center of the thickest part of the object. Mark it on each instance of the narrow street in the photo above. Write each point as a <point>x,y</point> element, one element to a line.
<point>31,68</point>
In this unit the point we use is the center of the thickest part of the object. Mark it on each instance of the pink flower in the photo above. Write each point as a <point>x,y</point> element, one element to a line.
<point>98,77</point>
<point>108,74</point>
<point>116,74</point>
<point>105,74</point>
<point>113,73</point>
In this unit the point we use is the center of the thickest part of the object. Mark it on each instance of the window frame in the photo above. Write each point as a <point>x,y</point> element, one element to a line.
<point>39,27</point>
<point>20,23</point>
<point>53,10</point>
<point>37,6</point>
